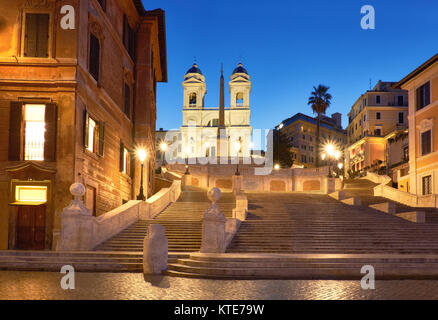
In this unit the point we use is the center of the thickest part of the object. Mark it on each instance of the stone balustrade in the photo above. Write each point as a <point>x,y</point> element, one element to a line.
<point>284,180</point>
<point>80,231</point>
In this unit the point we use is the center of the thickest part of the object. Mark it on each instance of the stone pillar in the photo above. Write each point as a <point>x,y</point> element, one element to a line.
<point>237,184</point>
<point>329,185</point>
<point>155,250</point>
<point>186,180</point>
<point>241,207</point>
<point>76,223</point>
<point>213,226</point>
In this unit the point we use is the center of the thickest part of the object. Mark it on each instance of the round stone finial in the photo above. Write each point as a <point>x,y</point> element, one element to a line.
<point>77,189</point>
<point>214,194</point>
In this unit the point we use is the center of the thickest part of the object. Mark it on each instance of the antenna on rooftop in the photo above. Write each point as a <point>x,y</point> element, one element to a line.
<point>370,84</point>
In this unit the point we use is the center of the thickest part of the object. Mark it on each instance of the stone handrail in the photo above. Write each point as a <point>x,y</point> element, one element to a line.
<point>377,178</point>
<point>406,198</point>
<point>159,201</point>
<point>231,227</point>
<point>82,231</point>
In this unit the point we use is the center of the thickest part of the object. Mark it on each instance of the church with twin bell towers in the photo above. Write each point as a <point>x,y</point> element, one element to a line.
<point>214,132</point>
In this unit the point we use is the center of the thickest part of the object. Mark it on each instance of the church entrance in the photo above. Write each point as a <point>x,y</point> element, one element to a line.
<point>31,227</point>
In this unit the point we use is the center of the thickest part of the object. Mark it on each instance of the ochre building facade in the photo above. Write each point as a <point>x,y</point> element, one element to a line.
<point>75,103</point>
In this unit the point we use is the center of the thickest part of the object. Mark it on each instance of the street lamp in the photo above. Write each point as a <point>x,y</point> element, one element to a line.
<point>141,154</point>
<point>187,160</point>
<point>238,147</point>
<point>163,148</point>
<point>332,153</point>
<point>277,166</point>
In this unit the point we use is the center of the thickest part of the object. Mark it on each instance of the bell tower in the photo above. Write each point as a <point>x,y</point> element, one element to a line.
<point>240,87</point>
<point>194,88</point>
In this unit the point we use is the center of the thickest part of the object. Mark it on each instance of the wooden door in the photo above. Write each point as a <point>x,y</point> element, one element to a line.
<point>31,227</point>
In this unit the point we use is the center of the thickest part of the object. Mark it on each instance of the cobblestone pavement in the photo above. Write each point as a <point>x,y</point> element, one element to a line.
<point>46,285</point>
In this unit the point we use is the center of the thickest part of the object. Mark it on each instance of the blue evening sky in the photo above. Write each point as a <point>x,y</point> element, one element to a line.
<point>290,46</point>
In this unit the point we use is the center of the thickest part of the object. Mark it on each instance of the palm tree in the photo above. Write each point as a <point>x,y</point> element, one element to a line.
<point>319,100</point>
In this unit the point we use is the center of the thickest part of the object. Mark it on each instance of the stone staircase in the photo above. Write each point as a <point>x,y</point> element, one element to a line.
<point>363,189</point>
<point>182,221</point>
<point>311,223</point>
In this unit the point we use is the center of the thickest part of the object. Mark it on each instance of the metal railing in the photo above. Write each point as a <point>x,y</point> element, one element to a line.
<point>34,150</point>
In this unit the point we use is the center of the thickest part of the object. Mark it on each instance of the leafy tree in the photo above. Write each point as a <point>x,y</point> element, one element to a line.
<point>282,153</point>
<point>319,100</point>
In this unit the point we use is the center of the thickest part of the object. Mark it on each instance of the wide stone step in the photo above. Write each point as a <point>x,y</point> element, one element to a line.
<point>306,272</point>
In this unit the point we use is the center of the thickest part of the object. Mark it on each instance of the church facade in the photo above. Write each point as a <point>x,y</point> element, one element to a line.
<point>216,132</point>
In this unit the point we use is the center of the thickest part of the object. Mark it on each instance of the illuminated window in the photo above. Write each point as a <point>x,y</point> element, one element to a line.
<point>125,161</point>
<point>91,135</point>
<point>34,127</point>
<point>31,193</point>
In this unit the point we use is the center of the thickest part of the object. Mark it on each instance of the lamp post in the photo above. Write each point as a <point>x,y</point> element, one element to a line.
<point>187,160</point>
<point>341,167</point>
<point>163,148</point>
<point>141,154</point>
<point>332,153</point>
<point>238,147</point>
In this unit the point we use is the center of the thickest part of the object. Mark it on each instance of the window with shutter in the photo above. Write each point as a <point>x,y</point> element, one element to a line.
<point>94,57</point>
<point>401,118</point>
<point>15,131</point>
<point>36,37</point>
<point>131,165</point>
<point>427,185</point>
<point>127,100</point>
<point>128,37</point>
<point>125,32</point>
<point>426,143</point>
<point>423,96</point>
<point>50,132</point>
<point>121,158</point>
<point>101,147</point>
